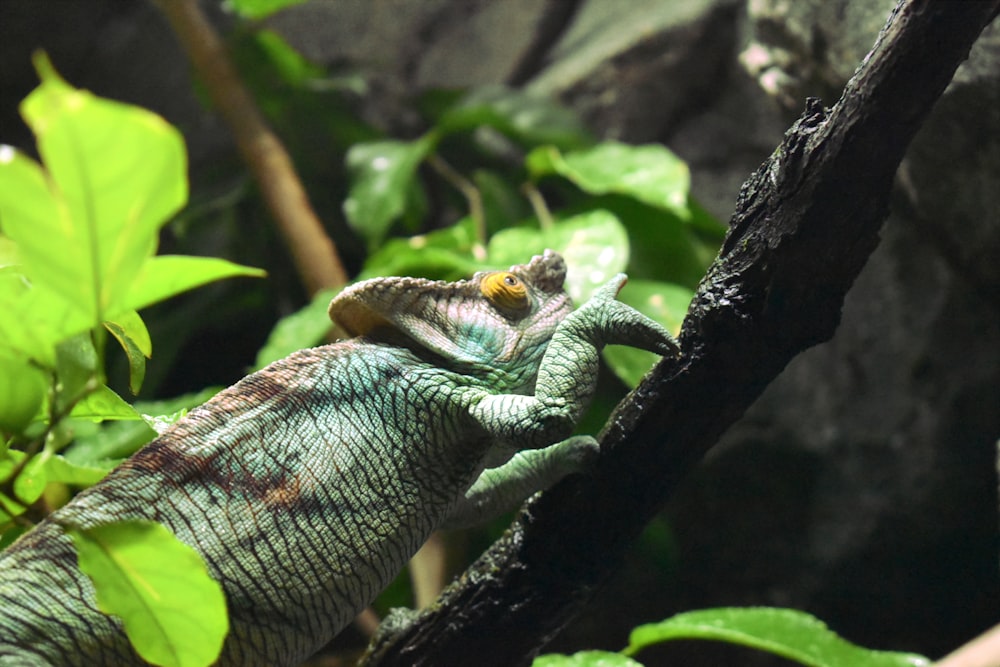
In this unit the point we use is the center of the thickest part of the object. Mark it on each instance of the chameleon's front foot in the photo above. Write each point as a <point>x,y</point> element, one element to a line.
<point>568,371</point>
<point>606,321</point>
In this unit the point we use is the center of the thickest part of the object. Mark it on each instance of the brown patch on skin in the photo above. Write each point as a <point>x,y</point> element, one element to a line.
<point>259,387</point>
<point>283,496</point>
<point>172,450</point>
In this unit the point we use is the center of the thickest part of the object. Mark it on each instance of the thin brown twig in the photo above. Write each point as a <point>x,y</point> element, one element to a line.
<point>983,651</point>
<point>313,251</point>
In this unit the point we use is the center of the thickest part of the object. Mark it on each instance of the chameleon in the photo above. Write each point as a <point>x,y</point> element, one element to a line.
<point>308,485</point>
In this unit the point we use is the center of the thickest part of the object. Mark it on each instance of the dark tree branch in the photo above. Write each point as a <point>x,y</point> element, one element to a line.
<point>805,224</point>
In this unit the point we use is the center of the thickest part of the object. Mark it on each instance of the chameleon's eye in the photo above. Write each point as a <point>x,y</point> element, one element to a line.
<point>504,290</point>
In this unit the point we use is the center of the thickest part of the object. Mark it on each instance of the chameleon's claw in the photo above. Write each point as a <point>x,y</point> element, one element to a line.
<point>621,324</point>
<point>636,330</point>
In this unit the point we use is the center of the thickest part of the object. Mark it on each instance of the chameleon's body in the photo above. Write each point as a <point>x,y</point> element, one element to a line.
<point>308,485</point>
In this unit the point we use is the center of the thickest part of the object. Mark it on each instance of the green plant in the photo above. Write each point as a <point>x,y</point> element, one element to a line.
<point>788,633</point>
<point>77,261</point>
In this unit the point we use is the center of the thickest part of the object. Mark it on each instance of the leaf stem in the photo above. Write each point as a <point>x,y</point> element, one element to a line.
<point>538,204</point>
<point>468,189</point>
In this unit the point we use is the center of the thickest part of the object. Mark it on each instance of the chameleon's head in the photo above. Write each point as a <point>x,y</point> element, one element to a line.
<point>499,319</point>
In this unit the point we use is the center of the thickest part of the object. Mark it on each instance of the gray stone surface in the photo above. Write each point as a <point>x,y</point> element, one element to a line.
<point>634,74</point>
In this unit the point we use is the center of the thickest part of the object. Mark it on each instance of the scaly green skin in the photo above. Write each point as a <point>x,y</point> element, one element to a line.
<point>308,485</point>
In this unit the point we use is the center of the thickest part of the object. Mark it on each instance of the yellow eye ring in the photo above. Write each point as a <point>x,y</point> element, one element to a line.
<point>504,290</point>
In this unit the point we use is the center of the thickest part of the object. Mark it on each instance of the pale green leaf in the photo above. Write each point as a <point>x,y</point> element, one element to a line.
<point>792,634</point>
<point>664,302</point>
<point>77,369</point>
<point>103,404</point>
<point>132,326</point>
<point>36,318</point>
<point>258,9</point>
<point>166,275</point>
<point>28,486</point>
<point>115,174</point>
<point>26,201</point>
<point>131,333</point>
<point>59,469</point>
<point>585,659</point>
<point>650,173</point>
<point>594,245</point>
<point>444,254</point>
<point>22,393</point>
<point>382,173</point>
<point>174,613</point>
<point>9,256</point>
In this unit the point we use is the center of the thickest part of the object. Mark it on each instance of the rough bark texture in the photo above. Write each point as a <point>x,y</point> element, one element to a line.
<point>805,224</point>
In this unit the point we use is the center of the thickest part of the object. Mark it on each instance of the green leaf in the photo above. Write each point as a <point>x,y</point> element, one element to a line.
<point>76,369</point>
<point>131,333</point>
<point>83,229</point>
<point>22,393</point>
<point>35,318</point>
<point>9,256</point>
<point>119,439</point>
<point>8,536</point>
<point>585,659</point>
<point>25,196</point>
<point>430,262</point>
<point>103,404</point>
<point>706,223</point>
<point>650,173</point>
<point>62,470</point>
<point>444,254</point>
<point>258,9</point>
<point>303,328</point>
<point>130,325</point>
<point>28,486</point>
<point>528,118</point>
<point>115,174</point>
<point>382,174</point>
<point>664,302</point>
<point>594,245</point>
<point>166,275</point>
<point>666,248</point>
<point>174,613</point>
<point>289,63</point>
<point>108,443</point>
<point>785,632</point>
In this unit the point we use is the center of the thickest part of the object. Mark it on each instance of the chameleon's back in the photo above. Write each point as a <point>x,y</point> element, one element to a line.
<point>287,483</point>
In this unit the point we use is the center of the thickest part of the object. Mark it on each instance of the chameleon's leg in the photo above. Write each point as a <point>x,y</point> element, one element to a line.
<point>501,489</point>
<point>568,371</point>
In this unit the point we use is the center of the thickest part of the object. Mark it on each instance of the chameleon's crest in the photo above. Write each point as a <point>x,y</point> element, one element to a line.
<point>487,317</point>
